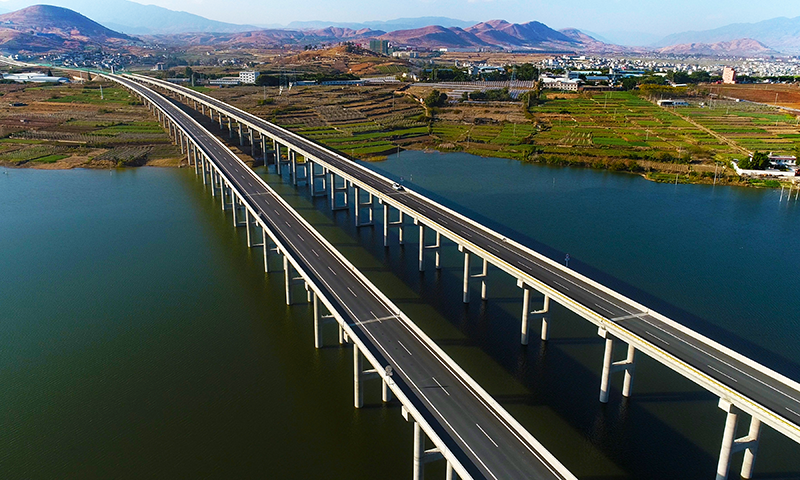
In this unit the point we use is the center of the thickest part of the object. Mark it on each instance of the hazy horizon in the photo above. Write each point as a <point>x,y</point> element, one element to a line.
<point>625,22</point>
<point>654,18</point>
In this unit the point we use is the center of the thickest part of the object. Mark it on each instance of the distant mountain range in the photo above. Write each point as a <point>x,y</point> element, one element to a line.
<point>495,34</point>
<point>779,34</point>
<point>42,28</point>
<point>492,34</point>
<point>181,28</point>
<point>270,38</point>
<point>386,26</point>
<point>741,47</point>
<point>136,19</point>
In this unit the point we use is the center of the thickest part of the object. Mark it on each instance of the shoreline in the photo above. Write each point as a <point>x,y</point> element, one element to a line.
<point>653,175</point>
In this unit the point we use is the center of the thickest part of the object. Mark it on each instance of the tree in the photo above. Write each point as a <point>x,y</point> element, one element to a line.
<point>681,77</point>
<point>757,161</point>
<point>629,83</point>
<point>267,80</point>
<point>527,71</point>
<point>436,99</point>
<point>760,161</point>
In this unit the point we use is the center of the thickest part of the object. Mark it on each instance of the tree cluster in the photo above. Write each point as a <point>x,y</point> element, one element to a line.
<point>494,95</point>
<point>759,161</point>
<point>436,99</point>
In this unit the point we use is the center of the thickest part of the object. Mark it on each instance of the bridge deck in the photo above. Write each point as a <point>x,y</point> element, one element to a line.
<point>771,397</point>
<point>484,442</point>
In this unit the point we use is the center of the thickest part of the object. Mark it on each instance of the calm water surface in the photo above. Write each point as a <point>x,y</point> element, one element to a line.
<point>142,339</point>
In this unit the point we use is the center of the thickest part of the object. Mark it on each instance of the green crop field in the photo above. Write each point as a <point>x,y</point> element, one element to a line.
<point>92,95</point>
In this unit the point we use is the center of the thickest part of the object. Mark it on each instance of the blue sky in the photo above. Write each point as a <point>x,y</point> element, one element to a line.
<point>651,16</point>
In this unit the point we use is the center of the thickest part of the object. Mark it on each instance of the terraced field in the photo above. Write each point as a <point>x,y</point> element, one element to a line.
<point>66,126</point>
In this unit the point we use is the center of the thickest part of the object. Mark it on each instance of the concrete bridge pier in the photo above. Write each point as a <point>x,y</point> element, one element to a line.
<point>252,144</point>
<point>323,177</point>
<point>296,167</point>
<point>212,179</point>
<point>422,247</point>
<point>224,189</point>
<point>277,147</point>
<point>203,165</point>
<point>388,224</point>
<point>247,227</point>
<point>359,376</point>
<point>287,273</point>
<point>220,121</point>
<point>466,272</point>
<point>267,247</point>
<point>305,168</point>
<point>319,320</point>
<point>526,312</point>
<point>293,166</point>
<point>230,129</point>
<point>241,137</point>
<point>235,209</point>
<point>334,190</point>
<point>484,273</point>
<point>610,367</point>
<point>748,444</point>
<point>423,456</point>
<point>194,160</point>
<point>359,205</point>
<point>263,147</point>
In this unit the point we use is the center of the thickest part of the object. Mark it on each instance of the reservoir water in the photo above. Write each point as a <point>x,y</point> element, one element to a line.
<point>141,337</point>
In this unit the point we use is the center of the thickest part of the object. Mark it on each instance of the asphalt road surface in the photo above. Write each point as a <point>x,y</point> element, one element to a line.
<point>757,384</point>
<point>484,443</point>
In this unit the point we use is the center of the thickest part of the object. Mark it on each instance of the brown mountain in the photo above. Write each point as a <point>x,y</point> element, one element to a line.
<point>435,36</point>
<point>500,32</point>
<point>42,28</point>
<point>742,47</point>
<point>270,38</point>
<point>495,33</point>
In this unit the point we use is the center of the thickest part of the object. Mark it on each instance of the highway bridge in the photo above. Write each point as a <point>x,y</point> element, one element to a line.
<point>742,385</point>
<point>469,430</point>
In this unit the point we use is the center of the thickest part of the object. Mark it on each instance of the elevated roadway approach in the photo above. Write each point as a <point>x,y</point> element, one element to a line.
<point>476,437</point>
<point>743,385</point>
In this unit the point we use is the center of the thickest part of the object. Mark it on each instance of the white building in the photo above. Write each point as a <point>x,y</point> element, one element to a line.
<point>248,77</point>
<point>225,81</point>
<point>34,77</point>
<point>728,75</point>
<point>560,83</point>
<point>673,103</point>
